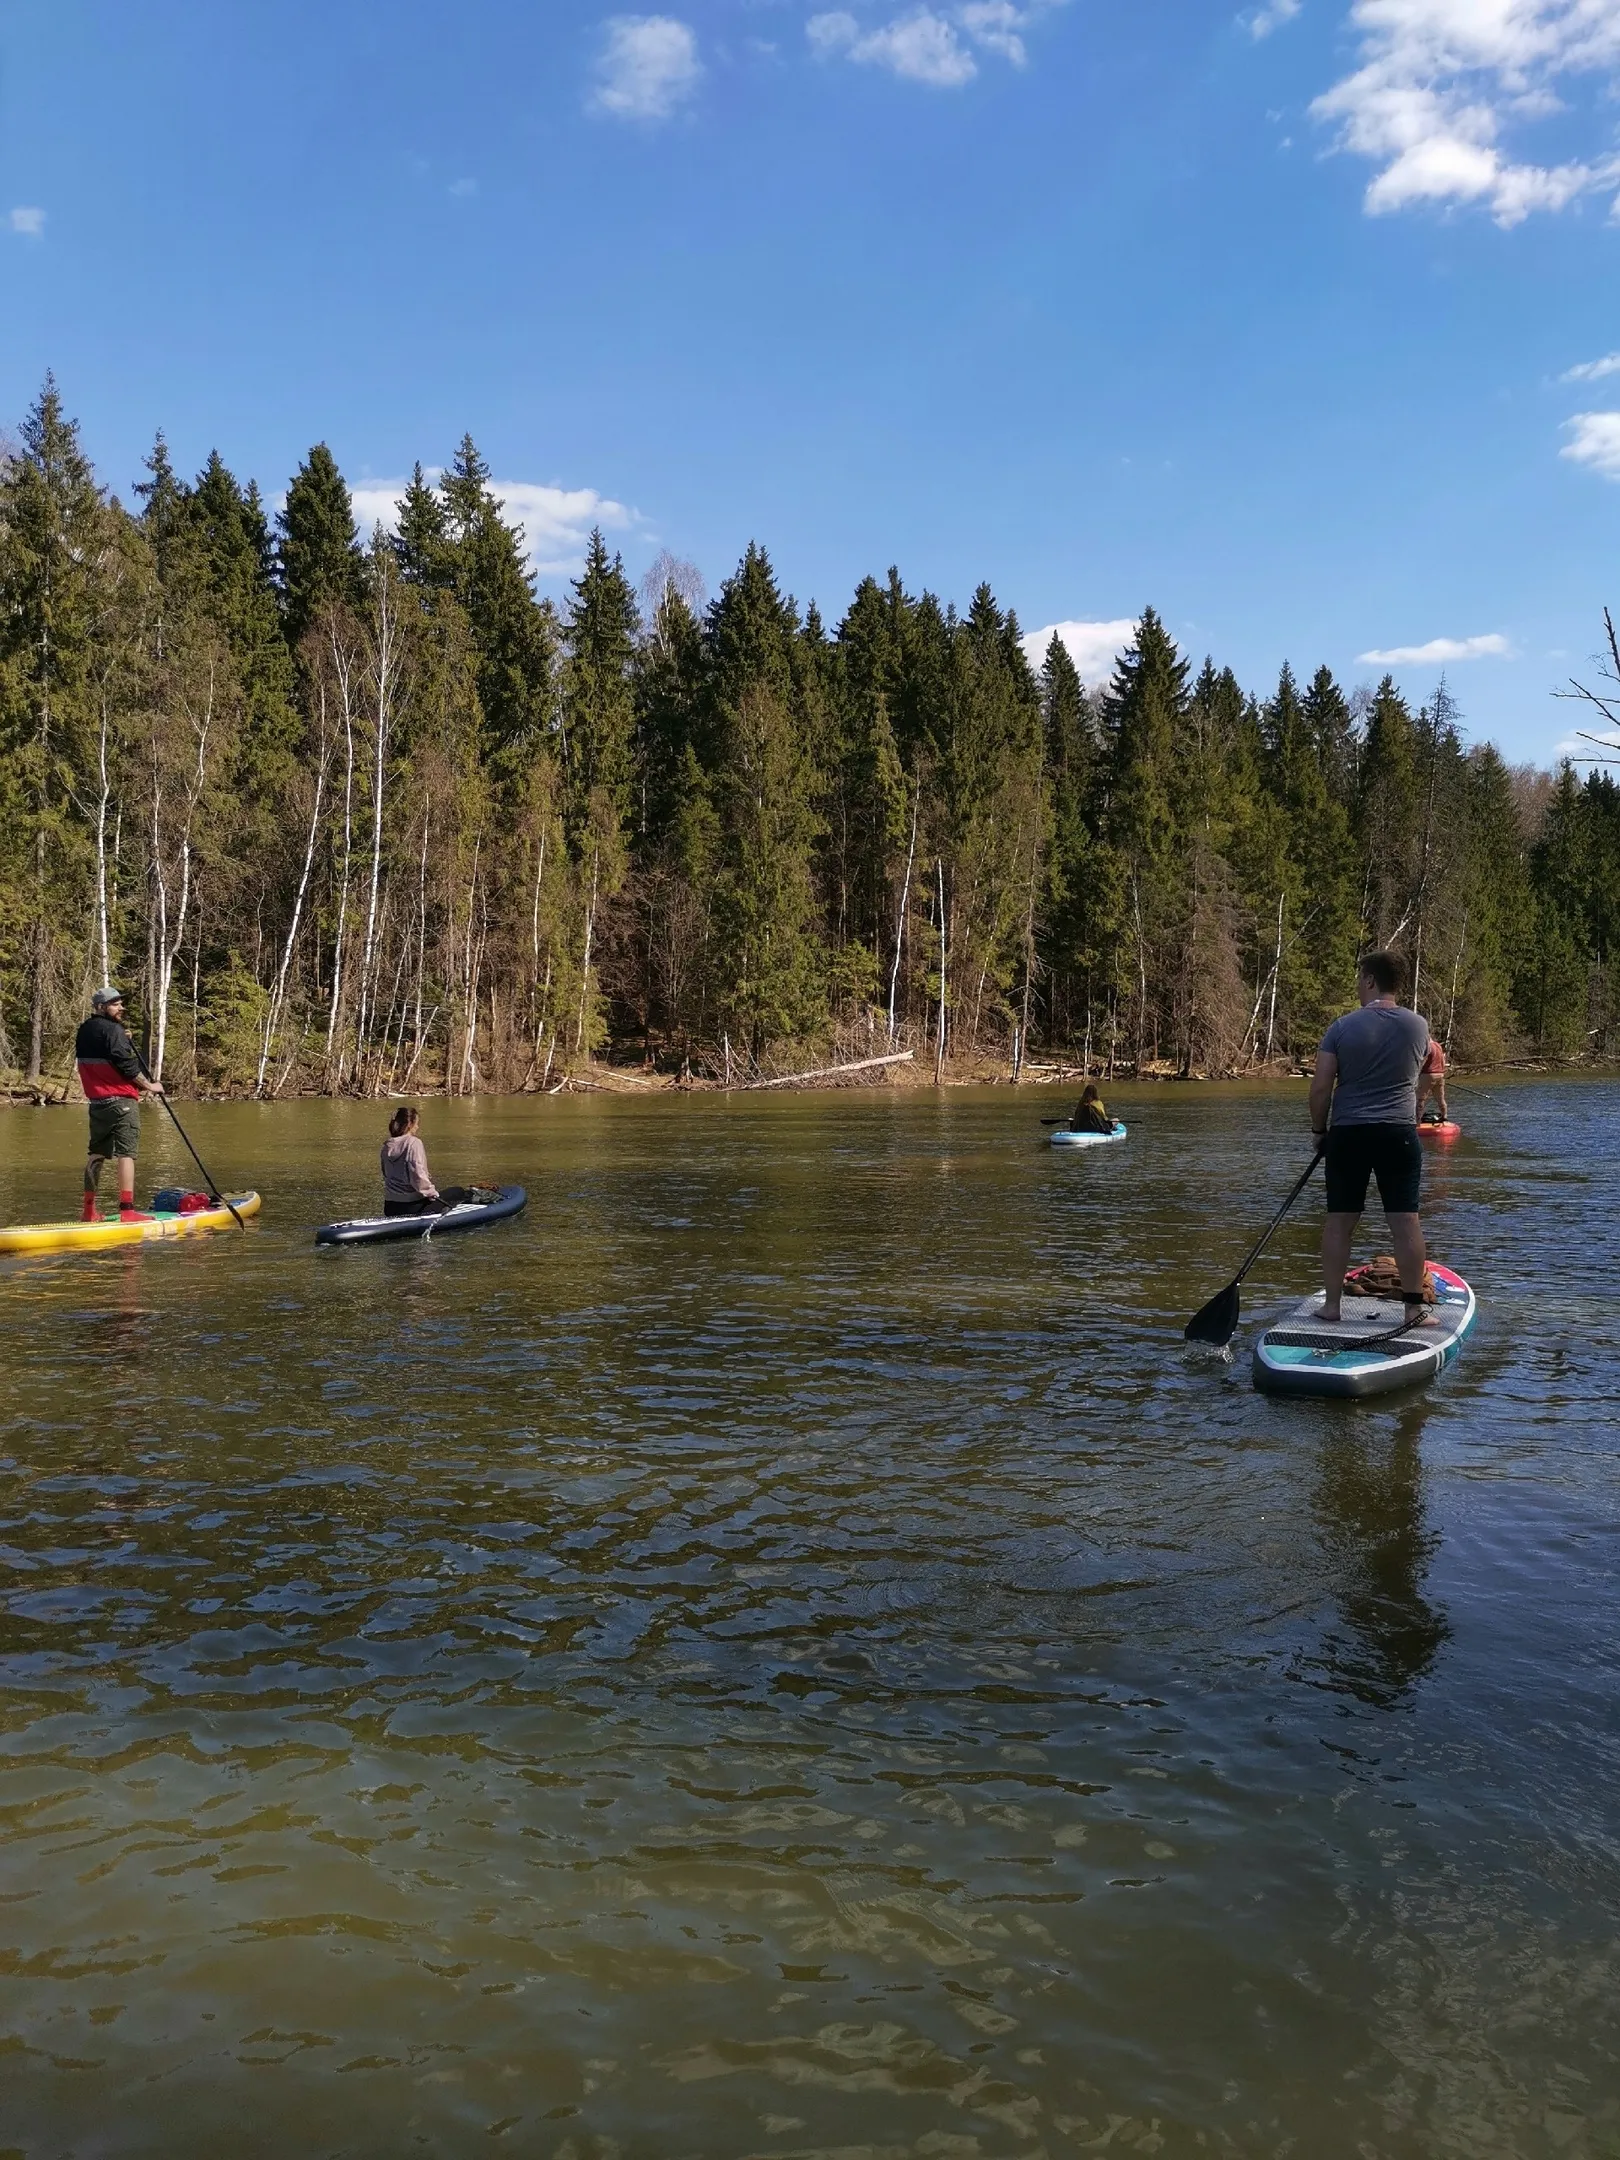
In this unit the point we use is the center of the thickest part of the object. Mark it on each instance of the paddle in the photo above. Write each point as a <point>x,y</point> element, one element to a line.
<point>214,1192</point>
<point>1217,1321</point>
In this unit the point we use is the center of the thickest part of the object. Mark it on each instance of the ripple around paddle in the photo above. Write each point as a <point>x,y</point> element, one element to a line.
<point>777,1652</point>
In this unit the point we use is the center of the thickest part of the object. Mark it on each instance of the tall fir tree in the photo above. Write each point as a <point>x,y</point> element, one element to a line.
<point>53,540</point>
<point>514,634</point>
<point>319,550</point>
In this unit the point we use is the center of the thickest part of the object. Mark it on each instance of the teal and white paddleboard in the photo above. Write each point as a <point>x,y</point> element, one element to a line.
<point>1063,1137</point>
<point>1366,1351</point>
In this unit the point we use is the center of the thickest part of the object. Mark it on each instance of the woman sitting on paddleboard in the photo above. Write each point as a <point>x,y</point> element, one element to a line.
<point>1090,1115</point>
<point>408,1187</point>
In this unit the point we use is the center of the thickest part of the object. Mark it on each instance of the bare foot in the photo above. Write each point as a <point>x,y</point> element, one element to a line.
<point>1328,1312</point>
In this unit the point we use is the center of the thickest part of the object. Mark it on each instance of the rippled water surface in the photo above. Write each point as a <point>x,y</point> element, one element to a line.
<point>778,1652</point>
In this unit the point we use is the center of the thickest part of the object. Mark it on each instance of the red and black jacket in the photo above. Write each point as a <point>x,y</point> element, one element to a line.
<point>108,1066</point>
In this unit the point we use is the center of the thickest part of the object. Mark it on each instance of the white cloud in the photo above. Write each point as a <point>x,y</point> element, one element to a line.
<point>1441,80</point>
<point>995,25</point>
<point>1593,370</point>
<point>1271,17</point>
<point>1092,646</point>
<point>28,220</point>
<point>556,521</point>
<point>932,45</point>
<point>920,48</point>
<point>647,67</point>
<point>1439,651</point>
<point>1594,439</point>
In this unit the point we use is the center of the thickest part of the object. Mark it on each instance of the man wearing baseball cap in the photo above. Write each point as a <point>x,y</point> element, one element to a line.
<point>114,1080</point>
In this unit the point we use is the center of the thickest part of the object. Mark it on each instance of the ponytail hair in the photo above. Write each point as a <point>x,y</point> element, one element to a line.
<point>402,1121</point>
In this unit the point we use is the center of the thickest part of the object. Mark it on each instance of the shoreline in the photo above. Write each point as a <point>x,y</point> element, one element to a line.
<point>897,1073</point>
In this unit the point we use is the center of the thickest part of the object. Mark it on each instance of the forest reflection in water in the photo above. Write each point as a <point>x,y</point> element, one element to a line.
<point>778,1652</point>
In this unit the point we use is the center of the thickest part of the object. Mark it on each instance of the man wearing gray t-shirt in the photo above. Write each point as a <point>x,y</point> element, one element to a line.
<point>1367,1071</point>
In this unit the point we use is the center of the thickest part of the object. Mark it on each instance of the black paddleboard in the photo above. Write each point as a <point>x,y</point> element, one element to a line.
<point>469,1215</point>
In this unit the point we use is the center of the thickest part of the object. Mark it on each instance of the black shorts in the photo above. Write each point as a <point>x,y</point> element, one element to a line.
<point>1393,1154</point>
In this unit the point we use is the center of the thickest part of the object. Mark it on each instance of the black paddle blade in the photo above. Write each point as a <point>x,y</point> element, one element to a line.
<point>1217,1321</point>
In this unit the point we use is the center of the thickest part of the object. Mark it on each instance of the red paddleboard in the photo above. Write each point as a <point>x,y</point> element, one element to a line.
<point>1448,1131</point>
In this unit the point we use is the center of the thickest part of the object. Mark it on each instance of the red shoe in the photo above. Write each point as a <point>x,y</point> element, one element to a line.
<point>90,1213</point>
<point>129,1212</point>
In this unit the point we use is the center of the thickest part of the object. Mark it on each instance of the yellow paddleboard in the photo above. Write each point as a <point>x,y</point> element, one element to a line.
<point>102,1236</point>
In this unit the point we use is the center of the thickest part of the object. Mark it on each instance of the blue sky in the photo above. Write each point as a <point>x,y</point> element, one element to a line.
<point>1266,317</point>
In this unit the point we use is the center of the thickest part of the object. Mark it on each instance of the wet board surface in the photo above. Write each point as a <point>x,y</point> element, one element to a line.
<point>1302,1354</point>
<point>1064,1138</point>
<point>380,1229</point>
<point>89,1237</point>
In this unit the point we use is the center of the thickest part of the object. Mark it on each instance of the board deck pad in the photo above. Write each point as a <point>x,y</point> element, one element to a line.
<point>1369,1350</point>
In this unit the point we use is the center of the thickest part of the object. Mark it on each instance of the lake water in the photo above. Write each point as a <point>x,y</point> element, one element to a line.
<point>779,1652</point>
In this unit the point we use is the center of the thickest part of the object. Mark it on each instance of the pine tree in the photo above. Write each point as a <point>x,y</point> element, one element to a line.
<point>319,551</point>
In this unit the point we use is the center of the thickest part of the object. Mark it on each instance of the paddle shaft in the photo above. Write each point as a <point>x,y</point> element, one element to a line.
<point>214,1191</point>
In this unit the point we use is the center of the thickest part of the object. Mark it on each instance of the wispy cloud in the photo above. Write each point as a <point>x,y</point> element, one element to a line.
<point>1593,370</point>
<point>1442,81</point>
<point>1438,651</point>
<point>648,66</point>
<point>1594,439</point>
<point>1092,646</point>
<point>556,521</point>
<point>28,220</point>
<point>1271,17</point>
<point>922,48</point>
<point>932,45</point>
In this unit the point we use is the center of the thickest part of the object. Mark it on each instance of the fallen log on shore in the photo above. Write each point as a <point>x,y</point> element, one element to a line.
<point>827,1072</point>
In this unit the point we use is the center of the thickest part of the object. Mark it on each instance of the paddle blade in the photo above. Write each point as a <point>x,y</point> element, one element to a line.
<point>1217,1321</point>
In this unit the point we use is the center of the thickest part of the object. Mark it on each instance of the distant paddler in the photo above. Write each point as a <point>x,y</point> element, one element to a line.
<point>1432,1082</point>
<point>408,1187</point>
<point>1367,1072</point>
<point>114,1080</point>
<point>1090,1113</point>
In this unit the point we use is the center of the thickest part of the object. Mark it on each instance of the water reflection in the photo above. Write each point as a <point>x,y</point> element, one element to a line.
<point>1373,1525</point>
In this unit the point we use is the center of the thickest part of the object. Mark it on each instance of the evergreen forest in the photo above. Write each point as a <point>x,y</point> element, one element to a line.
<point>364,814</point>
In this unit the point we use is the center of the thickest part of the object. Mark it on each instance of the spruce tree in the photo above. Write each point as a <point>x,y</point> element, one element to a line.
<point>422,541</point>
<point>1389,799</point>
<point>513,633</point>
<point>54,535</point>
<point>598,697</point>
<point>229,528</point>
<point>1332,729</point>
<point>319,551</point>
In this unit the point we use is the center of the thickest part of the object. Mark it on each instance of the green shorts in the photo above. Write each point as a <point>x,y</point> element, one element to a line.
<point>115,1126</point>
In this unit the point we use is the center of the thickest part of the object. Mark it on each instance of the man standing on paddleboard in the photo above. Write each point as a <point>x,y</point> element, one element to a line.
<point>114,1081</point>
<point>1367,1072</point>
